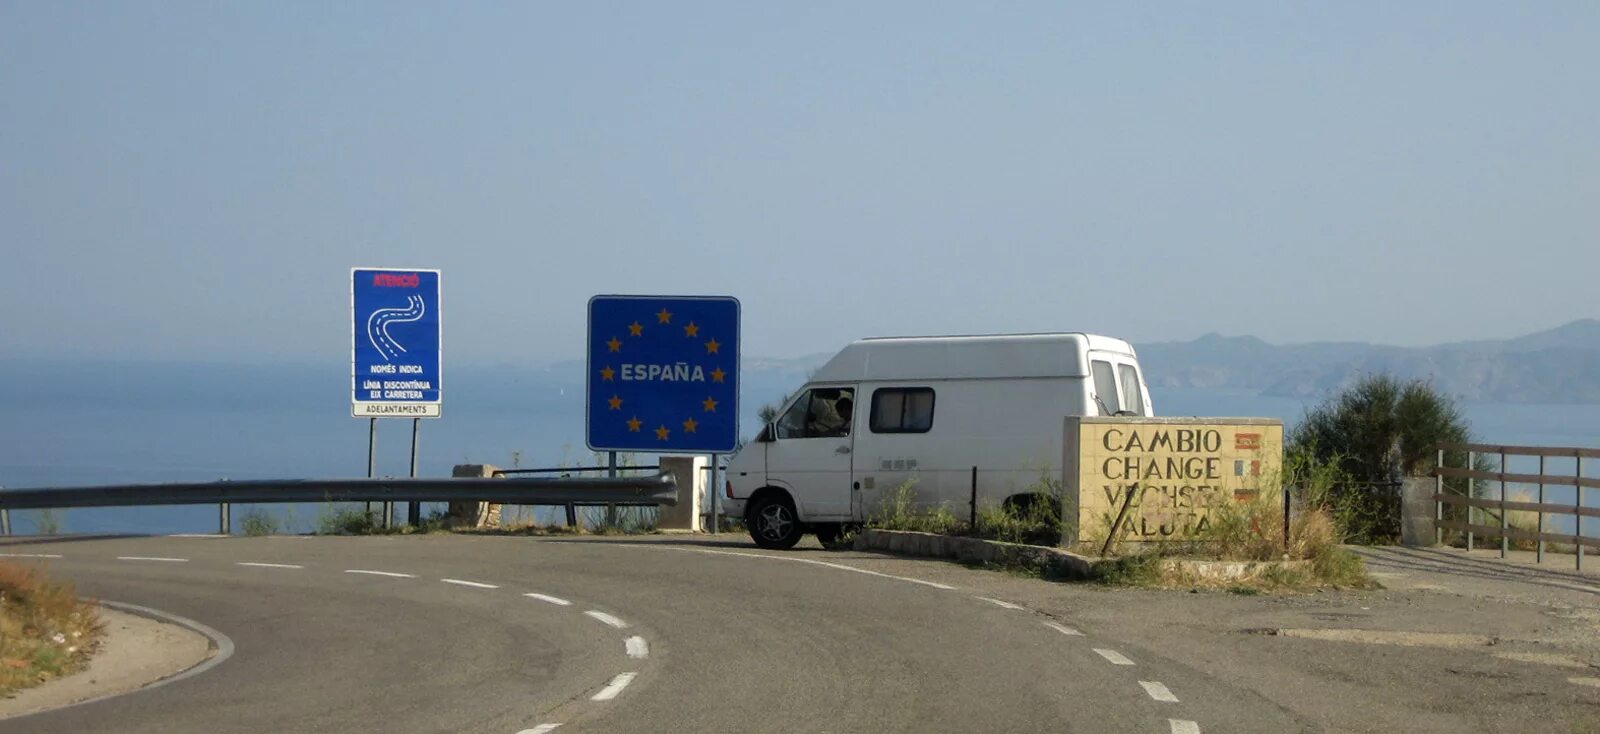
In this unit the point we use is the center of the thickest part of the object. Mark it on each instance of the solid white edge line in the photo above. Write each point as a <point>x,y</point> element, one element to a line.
<point>1113,657</point>
<point>614,687</point>
<point>1183,726</point>
<point>152,558</point>
<point>254,564</point>
<point>1063,629</point>
<point>29,555</point>
<point>637,647</point>
<point>999,603</point>
<point>473,584</point>
<point>607,619</point>
<point>540,729</point>
<point>390,574</point>
<point>556,600</point>
<point>1158,691</point>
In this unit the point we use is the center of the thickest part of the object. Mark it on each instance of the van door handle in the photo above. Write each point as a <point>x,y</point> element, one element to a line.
<point>842,450</point>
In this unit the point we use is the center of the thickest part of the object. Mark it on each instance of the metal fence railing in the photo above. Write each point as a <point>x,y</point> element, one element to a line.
<point>1500,507</point>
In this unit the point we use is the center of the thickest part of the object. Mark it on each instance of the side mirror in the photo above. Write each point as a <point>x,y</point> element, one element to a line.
<point>766,435</point>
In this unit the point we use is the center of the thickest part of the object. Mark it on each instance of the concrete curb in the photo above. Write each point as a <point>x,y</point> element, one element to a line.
<point>1053,561</point>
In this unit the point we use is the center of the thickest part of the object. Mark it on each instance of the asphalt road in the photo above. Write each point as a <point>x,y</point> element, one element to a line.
<point>724,638</point>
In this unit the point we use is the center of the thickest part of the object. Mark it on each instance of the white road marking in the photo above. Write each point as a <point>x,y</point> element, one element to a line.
<point>390,574</point>
<point>1113,657</point>
<point>473,584</point>
<point>29,555</point>
<point>152,558</point>
<point>540,729</point>
<point>198,535</point>
<point>637,647</point>
<point>607,619</point>
<point>1183,726</point>
<point>998,603</point>
<point>840,566</point>
<point>1063,629</point>
<point>556,600</point>
<point>611,690</point>
<point>268,565</point>
<point>1158,691</point>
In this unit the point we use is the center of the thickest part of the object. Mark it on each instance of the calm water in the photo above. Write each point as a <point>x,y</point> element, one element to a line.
<point>46,442</point>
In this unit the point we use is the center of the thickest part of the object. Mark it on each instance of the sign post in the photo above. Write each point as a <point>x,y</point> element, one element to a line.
<point>663,374</point>
<point>395,352</point>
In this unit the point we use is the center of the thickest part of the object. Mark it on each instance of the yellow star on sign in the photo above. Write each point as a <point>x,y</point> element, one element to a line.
<point>665,316</point>
<point>616,346</point>
<point>711,404</point>
<point>616,402</point>
<point>607,373</point>
<point>662,433</point>
<point>712,347</point>
<point>690,425</point>
<point>636,329</point>
<point>716,375</point>
<point>634,423</point>
<point>691,330</point>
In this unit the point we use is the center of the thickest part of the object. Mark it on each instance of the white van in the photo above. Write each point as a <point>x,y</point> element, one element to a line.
<point>930,410</point>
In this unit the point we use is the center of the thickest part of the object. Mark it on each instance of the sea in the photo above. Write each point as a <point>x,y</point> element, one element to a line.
<point>60,427</point>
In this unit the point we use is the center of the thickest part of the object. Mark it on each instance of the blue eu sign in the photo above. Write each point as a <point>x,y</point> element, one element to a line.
<point>663,374</point>
<point>394,343</point>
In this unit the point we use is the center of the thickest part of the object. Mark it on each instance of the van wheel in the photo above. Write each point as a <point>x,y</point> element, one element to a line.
<point>773,523</point>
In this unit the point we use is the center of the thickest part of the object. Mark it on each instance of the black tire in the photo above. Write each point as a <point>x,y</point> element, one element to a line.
<point>773,523</point>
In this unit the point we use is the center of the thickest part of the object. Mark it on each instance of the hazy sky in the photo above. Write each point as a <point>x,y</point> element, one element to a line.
<point>196,179</point>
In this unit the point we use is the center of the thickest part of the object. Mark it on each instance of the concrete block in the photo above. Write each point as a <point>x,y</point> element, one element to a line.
<point>468,514</point>
<point>1417,511</point>
<point>689,473</point>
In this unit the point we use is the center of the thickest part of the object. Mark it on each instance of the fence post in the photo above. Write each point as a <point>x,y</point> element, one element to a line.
<point>1471,462</point>
<point>972,503</point>
<point>611,508</point>
<point>1505,542</point>
<point>1286,522</point>
<point>1578,519</point>
<point>1438,504</point>
<point>1538,554</point>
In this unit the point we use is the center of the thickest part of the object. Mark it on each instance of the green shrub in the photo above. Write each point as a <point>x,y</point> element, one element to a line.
<point>898,510</point>
<point>258,522</point>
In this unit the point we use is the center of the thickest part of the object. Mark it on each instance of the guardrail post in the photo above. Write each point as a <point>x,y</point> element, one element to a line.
<point>5,522</point>
<point>1505,542</point>
<point>1438,504</point>
<point>225,520</point>
<point>1538,554</point>
<point>1471,462</point>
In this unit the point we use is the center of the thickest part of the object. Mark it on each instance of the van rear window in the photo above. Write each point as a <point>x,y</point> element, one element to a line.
<point>902,410</point>
<point>1105,387</point>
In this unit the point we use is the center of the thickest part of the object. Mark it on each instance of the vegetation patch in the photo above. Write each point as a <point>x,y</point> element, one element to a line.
<point>46,631</point>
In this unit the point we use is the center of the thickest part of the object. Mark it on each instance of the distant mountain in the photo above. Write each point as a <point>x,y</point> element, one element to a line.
<point>1561,365</point>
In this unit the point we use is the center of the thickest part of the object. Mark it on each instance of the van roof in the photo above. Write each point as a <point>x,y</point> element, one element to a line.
<point>967,357</point>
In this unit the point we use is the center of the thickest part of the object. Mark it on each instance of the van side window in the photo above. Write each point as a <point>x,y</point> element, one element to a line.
<point>1130,387</point>
<point>1105,387</point>
<point>902,410</point>
<point>824,412</point>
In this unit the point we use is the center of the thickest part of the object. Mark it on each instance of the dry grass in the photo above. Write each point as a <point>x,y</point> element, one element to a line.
<point>46,631</point>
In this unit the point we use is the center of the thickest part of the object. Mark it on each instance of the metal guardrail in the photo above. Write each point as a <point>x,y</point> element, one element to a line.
<point>658,489</point>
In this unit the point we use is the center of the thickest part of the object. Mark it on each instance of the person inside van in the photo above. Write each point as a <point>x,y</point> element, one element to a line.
<point>830,414</point>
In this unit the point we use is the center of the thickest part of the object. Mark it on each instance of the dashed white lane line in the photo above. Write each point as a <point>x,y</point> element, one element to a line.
<point>540,729</point>
<point>1113,657</point>
<point>157,559</point>
<point>607,619</point>
<point>254,564</point>
<point>473,584</point>
<point>614,687</point>
<point>390,574</point>
<point>840,566</point>
<point>556,600</point>
<point>998,603</point>
<point>1183,726</point>
<point>29,555</point>
<point>637,647</point>
<point>1063,629</point>
<point>1158,691</point>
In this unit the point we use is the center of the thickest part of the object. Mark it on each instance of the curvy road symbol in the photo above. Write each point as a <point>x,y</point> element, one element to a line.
<point>378,325</point>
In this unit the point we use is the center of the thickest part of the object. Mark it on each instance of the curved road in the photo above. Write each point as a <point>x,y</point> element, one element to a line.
<point>716,636</point>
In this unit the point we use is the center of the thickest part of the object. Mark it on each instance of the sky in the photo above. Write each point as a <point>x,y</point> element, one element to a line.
<point>195,180</point>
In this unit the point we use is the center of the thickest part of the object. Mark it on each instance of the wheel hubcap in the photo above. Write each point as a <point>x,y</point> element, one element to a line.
<point>775,522</point>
